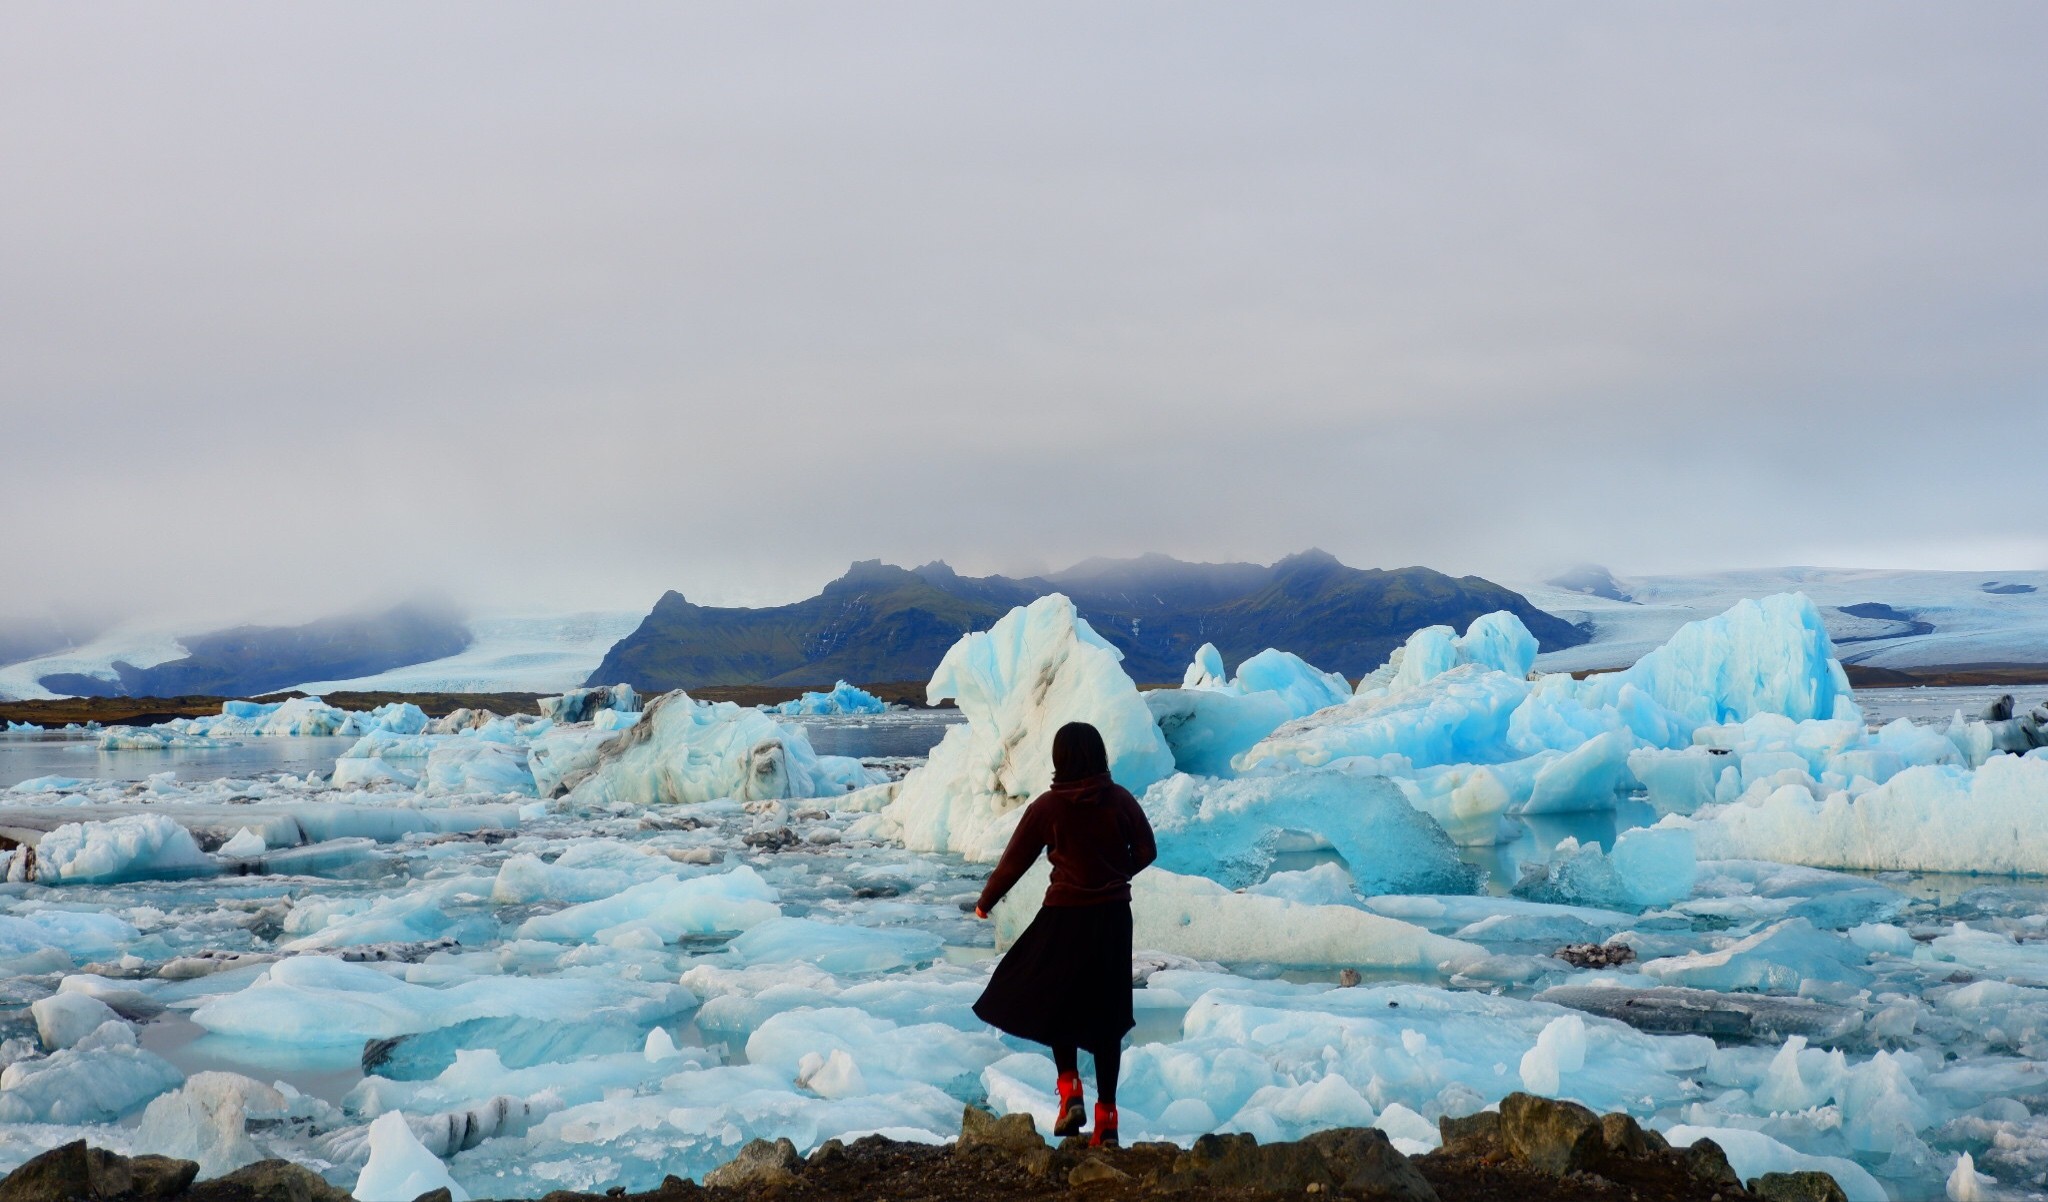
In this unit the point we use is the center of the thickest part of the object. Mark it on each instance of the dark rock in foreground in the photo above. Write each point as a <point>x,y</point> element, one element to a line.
<point>1533,1149</point>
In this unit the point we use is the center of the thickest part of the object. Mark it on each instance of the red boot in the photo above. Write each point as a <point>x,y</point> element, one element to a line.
<point>1104,1135</point>
<point>1072,1114</point>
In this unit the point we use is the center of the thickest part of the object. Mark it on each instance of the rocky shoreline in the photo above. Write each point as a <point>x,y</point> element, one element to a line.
<point>1532,1150</point>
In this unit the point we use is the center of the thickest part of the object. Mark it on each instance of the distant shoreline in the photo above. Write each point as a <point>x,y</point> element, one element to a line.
<point>149,711</point>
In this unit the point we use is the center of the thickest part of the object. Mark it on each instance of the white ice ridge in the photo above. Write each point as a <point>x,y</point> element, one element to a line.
<point>1196,917</point>
<point>1976,617</point>
<point>1038,668</point>
<point>507,653</point>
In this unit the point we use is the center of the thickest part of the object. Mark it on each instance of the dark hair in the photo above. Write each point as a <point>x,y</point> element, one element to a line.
<point>1077,752</point>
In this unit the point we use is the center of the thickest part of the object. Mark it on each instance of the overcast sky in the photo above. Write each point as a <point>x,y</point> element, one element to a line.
<point>304,306</point>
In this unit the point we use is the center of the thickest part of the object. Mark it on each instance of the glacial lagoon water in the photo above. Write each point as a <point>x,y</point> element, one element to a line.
<point>452,909</point>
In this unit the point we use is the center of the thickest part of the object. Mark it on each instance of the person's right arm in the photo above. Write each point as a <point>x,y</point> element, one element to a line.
<point>1025,843</point>
<point>1138,836</point>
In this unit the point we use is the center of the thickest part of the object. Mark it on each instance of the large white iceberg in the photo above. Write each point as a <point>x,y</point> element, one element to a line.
<point>683,750</point>
<point>1039,667</point>
<point>130,847</point>
<point>1937,818</point>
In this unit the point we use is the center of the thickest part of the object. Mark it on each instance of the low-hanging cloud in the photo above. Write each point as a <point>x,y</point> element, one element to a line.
<point>310,306</point>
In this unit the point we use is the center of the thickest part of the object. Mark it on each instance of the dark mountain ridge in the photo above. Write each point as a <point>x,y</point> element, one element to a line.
<point>248,660</point>
<point>883,622</point>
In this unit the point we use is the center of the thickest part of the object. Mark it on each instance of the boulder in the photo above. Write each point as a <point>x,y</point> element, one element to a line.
<point>1353,1159</point>
<point>1706,1162</point>
<point>77,1173</point>
<point>1552,1136</point>
<point>268,1181</point>
<point>1472,1135</point>
<point>1010,1135</point>
<point>1094,1169</point>
<point>1797,1187</point>
<point>758,1166</point>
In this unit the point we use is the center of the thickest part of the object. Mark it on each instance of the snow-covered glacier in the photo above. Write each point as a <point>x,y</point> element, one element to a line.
<point>593,946</point>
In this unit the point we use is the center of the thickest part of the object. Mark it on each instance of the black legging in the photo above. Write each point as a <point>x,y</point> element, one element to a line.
<point>1067,1059</point>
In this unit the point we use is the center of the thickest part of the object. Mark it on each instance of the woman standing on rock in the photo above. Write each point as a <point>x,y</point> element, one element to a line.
<point>1066,982</point>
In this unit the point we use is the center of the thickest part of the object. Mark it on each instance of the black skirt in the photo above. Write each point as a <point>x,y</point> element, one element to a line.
<point>1067,979</point>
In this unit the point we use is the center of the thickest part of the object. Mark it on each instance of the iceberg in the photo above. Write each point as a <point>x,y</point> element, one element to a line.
<point>1934,818</point>
<point>1039,667</point>
<point>684,751</point>
<point>841,698</point>
<point>314,1001</point>
<point>1650,866</point>
<point>131,847</point>
<point>400,1167</point>
<point>670,907</point>
<point>583,705</point>
<point>1209,720</point>
<point>1231,830</point>
<point>1769,656</point>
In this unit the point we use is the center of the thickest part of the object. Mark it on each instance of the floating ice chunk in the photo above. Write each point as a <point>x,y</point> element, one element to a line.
<point>1752,1154</point>
<point>564,755</point>
<point>1651,866</point>
<point>1677,782</point>
<point>1209,723</point>
<point>1209,728</point>
<point>245,843</point>
<point>660,1046</point>
<point>1207,670</point>
<point>841,698</point>
<point>207,1118</point>
<point>62,1019</point>
<point>1039,667</point>
<point>1457,717</point>
<point>1966,1184</point>
<point>471,766</point>
<point>1412,1134</point>
<point>128,738</point>
<point>879,1055</point>
<point>99,1079</point>
<point>583,705</point>
<point>1768,656</point>
<point>688,751</point>
<point>1282,1112</point>
<point>318,1001</point>
<point>1559,1052</point>
<point>669,906</point>
<point>1925,819</point>
<point>400,1167</point>
<point>1587,778</point>
<point>1668,1010</point>
<point>1323,885</point>
<point>1231,830</point>
<point>82,935</point>
<point>838,949</point>
<point>1497,642</point>
<point>833,1076</point>
<point>1776,959</point>
<point>1194,916</point>
<point>131,847</point>
<point>1506,919</point>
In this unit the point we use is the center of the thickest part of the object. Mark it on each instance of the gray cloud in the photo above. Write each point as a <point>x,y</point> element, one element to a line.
<point>305,307</point>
